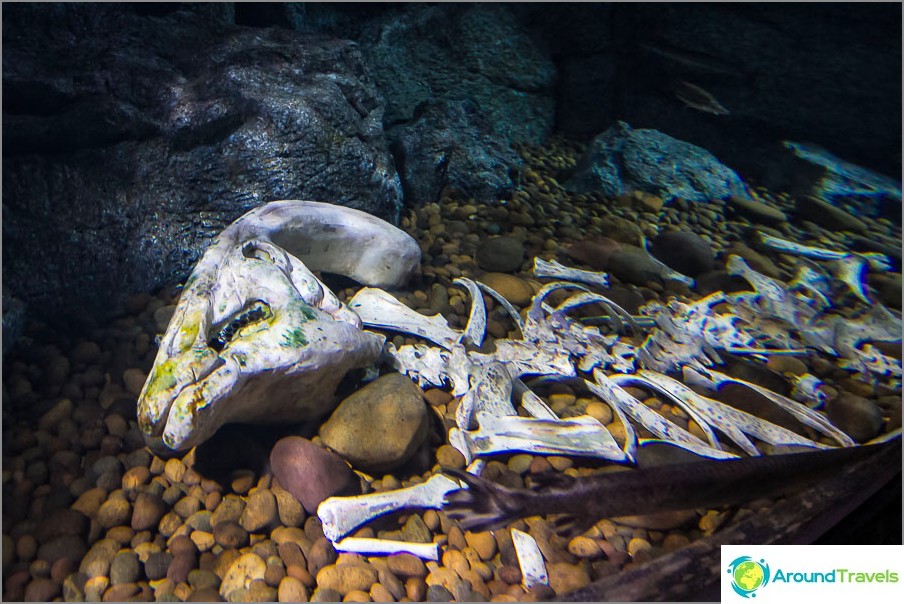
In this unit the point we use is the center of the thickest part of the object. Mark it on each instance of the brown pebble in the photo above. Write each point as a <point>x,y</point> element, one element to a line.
<point>148,511</point>
<point>321,554</point>
<point>565,577</point>
<point>206,594</point>
<point>292,590</point>
<point>90,501</point>
<point>41,590</point>
<point>437,397</point>
<point>483,543</point>
<point>406,566</point>
<point>449,457</point>
<point>114,512</point>
<point>230,535</point>
<point>260,511</point>
<point>378,593</point>
<point>345,578</point>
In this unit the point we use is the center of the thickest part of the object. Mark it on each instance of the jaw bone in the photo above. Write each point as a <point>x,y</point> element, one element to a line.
<point>256,337</point>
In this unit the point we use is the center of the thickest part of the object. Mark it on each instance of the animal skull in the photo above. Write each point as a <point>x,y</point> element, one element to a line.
<point>256,336</point>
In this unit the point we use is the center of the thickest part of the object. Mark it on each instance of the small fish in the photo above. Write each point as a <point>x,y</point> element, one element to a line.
<point>699,99</point>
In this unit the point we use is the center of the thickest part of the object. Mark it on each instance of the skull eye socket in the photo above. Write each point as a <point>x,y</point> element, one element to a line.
<point>254,312</point>
<point>250,250</point>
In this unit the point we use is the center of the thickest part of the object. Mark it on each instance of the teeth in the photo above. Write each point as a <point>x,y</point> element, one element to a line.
<point>533,569</point>
<point>386,547</point>
<point>341,515</point>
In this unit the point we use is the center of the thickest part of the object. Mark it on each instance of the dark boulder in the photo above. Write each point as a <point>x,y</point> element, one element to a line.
<point>452,145</point>
<point>129,141</point>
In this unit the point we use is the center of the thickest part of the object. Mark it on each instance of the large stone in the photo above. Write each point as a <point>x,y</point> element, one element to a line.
<point>684,251</point>
<point>500,254</point>
<point>310,472</point>
<point>380,426</point>
<point>623,159</point>
<point>118,173</point>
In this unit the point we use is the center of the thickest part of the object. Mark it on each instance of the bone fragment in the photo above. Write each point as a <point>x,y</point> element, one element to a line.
<point>341,515</point>
<point>553,270</point>
<point>476,329</point>
<point>386,547</point>
<point>511,310</point>
<point>490,397</point>
<point>381,310</point>
<point>579,436</point>
<point>879,262</point>
<point>532,403</point>
<point>533,569</point>
<point>851,270</point>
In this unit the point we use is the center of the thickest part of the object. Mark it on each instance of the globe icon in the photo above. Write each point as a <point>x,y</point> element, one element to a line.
<point>748,575</point>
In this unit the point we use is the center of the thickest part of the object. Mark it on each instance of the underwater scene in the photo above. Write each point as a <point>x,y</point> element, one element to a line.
<point>444,301</point>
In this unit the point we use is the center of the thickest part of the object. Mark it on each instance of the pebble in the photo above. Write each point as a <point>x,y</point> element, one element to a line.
<point>260,511</point>
<point>448,456</point>
<point>585,547</point>
<point>124,568</point>
<point>594,253</point>
<point>565,577</point>
<point>97,561</point>
<point>344,578</point>
<point>828,216</point>
<point>114,512</point>
<point>756,210</point>
<point>514,289</point>
<point>230,535</point>
<point>406,566</point>
<point>156,565</point>
<point>858,417</point>
<point>246,568</point>
<point>683,251</point>
<point>65,546</point>
<point>292,590</point>
<point>41,590</point>
<point>600,412</point>
<point>634,265</point>
<point>786,364</point>
<point>483,542</point>
<point>133,379</point>
<point>500,254</point>
<point>148,511</point>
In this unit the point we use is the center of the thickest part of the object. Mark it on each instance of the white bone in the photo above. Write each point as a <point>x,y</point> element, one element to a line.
<point>553,270</point>
<point>533,569</point>
<point>879,262</point>
<point>385,547</point>
<point>381,310</point>
<point>580,436</point>
<point>341,515</point>
<point>476,329</point>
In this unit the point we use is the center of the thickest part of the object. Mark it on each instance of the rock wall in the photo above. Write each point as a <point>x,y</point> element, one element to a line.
<point>130,140</point>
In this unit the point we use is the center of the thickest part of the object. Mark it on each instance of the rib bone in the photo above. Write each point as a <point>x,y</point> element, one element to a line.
<point>380,309</point>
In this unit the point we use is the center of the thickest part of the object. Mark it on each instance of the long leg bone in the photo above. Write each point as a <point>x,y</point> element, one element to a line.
<point>386,547</point>
<point>341,515</point>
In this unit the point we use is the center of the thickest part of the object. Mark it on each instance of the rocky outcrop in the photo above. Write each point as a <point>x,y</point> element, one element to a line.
<point>623,159</point>
<point>451,145</point>
<point>129,141</point>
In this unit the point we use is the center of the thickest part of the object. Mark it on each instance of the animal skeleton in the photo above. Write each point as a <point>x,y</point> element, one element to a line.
<point>254,323</point>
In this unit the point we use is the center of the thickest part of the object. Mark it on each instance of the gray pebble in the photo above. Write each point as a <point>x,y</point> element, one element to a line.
<point>124,568</point>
